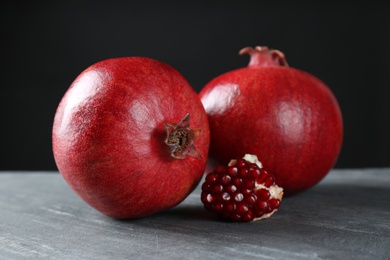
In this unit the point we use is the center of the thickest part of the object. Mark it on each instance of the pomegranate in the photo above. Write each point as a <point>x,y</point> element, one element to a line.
<point>286,116</point>
<point>241,191</point>
<point>131,137</point>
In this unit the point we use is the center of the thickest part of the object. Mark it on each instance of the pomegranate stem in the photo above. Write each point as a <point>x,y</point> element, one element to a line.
<point>262,56</point>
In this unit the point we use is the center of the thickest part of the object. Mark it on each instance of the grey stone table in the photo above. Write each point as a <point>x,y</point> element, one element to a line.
<point>346,216</point>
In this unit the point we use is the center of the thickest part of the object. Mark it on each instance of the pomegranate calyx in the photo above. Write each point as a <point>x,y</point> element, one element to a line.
<point>180,138</point>
<point>262,56</point>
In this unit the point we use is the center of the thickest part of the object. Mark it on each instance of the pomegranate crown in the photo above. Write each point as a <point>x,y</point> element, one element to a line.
<point>180,138</point>
<point>262,56</point>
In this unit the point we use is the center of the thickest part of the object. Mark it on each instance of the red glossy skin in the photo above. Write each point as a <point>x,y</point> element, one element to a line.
<point>108,137</point>
<point>287,117</point>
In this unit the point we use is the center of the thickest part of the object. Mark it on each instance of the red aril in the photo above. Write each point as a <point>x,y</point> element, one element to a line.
<point>287,117</point>
<point>131,137</point>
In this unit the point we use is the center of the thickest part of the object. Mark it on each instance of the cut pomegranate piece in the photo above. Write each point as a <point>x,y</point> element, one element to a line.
<point>241,191</point>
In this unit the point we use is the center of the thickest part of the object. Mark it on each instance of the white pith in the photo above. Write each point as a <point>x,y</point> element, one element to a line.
<point>249,158</point>
<point>252,159</point>
<point>276,193</point>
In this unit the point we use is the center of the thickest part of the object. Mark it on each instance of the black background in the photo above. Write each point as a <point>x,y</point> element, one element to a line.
<point>44,46</point>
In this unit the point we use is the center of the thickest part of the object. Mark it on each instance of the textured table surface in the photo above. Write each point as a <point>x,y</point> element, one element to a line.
<point>346,216</point>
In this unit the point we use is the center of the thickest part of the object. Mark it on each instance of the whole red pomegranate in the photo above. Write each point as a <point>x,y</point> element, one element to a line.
<point>287,117</point>
<point>131,137</point>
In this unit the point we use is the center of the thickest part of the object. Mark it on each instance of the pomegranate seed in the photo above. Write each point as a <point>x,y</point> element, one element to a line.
<point>232,171</point>
<point>217,207</point>
<point>203,198</point>
<point>211,178</point>
<point>241,209</point>
<point>241,163</point>
<point>268,210</point>
<point>274,203</point>
<point>261,207</point>
<point>263,194</point>
<point>235,217</point>
<point>248,216</point>
<point>253,174</point>
<point>238,197</point>
<point>231,189</point>
<point>243,172</point>
<point>241,191</point>
<point>237,181</point>
<point>206,186</point>
<point>226,196</point>
<point>218,188</point>
<point>248,184</point>
<point>269,180</point>
<point>209,198</point>
<point>230,207</point>
<point>263,174</point>
<point>251,199</point>
<point>226,179</point>
<point>246,192</point>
